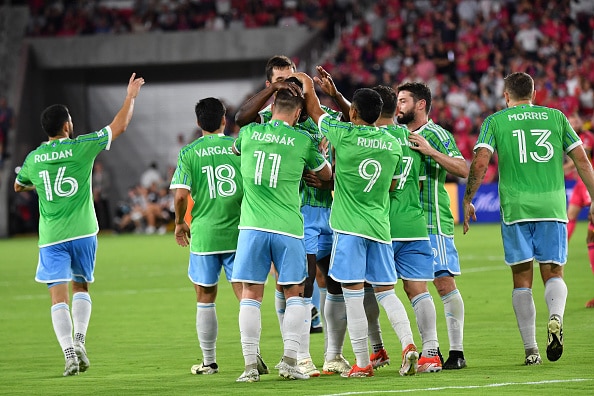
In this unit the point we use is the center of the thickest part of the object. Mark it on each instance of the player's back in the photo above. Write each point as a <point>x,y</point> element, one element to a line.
<point>407,220</point>
<point>212,172</point>
<point>273,156</point>
<point>61,172</point>
<point>367,158</point>
<point>530,143</point>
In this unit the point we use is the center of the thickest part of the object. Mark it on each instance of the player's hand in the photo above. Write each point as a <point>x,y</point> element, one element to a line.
<point>311,179</point>
<point>419,143</point>
<point>182,234</point>
<point>324,80</point>
<point>134,85</point>
<point>469,213</point>
<point>323,147</point>
<point>305,80</point>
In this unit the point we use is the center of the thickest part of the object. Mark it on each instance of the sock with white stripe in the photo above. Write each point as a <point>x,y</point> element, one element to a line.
<point>250,327</point>
<point>207,328</point>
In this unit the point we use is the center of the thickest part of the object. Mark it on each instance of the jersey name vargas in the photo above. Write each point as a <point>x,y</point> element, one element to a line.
<point>374,143</point>
<point>213,150</point>
<point>271,138</point>
<point>54,155</point>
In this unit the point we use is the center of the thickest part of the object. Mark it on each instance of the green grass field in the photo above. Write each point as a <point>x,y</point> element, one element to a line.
<point>142,337</point>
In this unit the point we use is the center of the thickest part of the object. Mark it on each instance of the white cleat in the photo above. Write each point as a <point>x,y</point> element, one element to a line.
<point>81,354</point>
<point>291,372</point>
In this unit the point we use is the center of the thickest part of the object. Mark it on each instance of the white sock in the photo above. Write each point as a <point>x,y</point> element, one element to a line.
<point>372,311</point>
<point>294,324</point>
<point>426,321</point>
<point>453,307</point>
<point>357,324</point>
<point>397,315</point>
<point>280,305</point>
<point>250,327</point>
<point>526,316</point>
<point>63,328</point>
<point>336,324</point>
<point>81,315</point>
<point>323,292</point>
<point>207,328</point>
<point>303,352</point>
<point>556,296</point>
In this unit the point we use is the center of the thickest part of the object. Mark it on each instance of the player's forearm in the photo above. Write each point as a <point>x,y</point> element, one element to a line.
<point>584,168</point>
<point>180,205</point>
<point>455,166</point>
<point>345,105</point>
<point>20,188</point>
<point>123,117</point>
<point>478,169</point>
<point>248,112</point>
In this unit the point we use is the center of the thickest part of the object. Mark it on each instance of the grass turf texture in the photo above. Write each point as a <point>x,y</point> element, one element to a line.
<point>142,337</point>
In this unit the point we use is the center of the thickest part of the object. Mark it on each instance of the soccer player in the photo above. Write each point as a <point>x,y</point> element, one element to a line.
<point>273,157</point>
<point>60,171</point>
<point>316,202</point>
<point>441,157</point>
<point>209,172</point>
<point>413,255</point>
<point>580,197</point>
<point>530,142</point>
<point>367,159</point>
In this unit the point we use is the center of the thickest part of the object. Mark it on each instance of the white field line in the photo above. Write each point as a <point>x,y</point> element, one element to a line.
<point>459,387</point>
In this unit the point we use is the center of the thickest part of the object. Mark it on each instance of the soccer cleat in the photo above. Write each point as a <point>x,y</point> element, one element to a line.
<point>249,376</point>
<point>410,360</point>
<point>337,365</point>
<point>455,361</point>
<point>379,359</point>
<point>429,364</point>
<point>278,365</point>
<point>308,367</point>
<point>71,367</point>
<point>262,367</point>
<point>555,340</point>
<point>291,372</point>
<point>590,304</point>
<point>201,368</point>
<point>81,354</point>
<point>533,360</point>
<point>358,372</point>
<point>316,322</point>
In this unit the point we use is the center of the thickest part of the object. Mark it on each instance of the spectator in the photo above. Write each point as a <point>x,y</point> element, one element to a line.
<point>151,178</point>
<point>6,123</point>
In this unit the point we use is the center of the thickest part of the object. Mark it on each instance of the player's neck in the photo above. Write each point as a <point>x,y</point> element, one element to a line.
<point>217,132</point>
<point>519,103</point>
<point>382,121</point>
<point>417,123</point>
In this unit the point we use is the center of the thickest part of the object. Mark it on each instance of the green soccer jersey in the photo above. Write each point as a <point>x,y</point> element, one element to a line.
<point>407,220</point>
<point>367,158</point>
<point>212,172</point>
<point>61,170</point>
<point>434,196</point>
<point>273,156</point>
<point>530,143</point>
<point>309,195</point>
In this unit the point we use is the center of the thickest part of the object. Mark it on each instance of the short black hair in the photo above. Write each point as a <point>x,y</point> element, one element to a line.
<point>209,113</point>
<point>519,86</point>
<point>419,91</point>
<point>278,62</point>
<point>389,98</point>
<point>285,101</point>
<point>53,119</point>
<point>368,104</point>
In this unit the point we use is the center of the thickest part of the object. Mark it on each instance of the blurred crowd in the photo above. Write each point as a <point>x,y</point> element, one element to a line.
<point>462,49</point>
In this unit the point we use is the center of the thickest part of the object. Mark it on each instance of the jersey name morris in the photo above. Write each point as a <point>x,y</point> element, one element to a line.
<point>528,115</point>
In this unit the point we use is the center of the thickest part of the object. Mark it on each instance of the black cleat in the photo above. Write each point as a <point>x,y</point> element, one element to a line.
<point>555,339</point>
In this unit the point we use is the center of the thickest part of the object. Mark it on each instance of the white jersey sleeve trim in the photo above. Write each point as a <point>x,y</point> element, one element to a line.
<point>110,134</point>
<point>320,120</point>
<point>485,145</point>
<point>319,168</point>
<point>578,143</point>
<point>176,186</point>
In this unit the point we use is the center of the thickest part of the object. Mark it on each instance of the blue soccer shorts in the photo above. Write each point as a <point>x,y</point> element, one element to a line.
<point>413,260</point>
<point>445,256</point>
<point>317,231</point>
<point>545,241</point>
<point>256,250</point>
<point>67,261</point>
<point>205,269</point>
<point>355,259</point>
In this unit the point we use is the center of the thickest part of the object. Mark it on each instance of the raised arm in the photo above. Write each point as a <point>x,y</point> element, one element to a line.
<point>312,102</point>
<point>478,169</point>
<point>455,166</point>
<point>248,112</point>
<point>123,117</point>
<point>324,80</point>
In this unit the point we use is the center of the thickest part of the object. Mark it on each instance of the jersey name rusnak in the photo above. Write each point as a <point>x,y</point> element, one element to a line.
<point>53,155</point>
<point>374,143</point>
<point>528,115</point>
<point>214,150</point>
<point>271,138</point>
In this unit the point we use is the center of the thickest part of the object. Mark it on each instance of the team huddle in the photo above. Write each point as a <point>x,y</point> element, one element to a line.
<point>356,197</point>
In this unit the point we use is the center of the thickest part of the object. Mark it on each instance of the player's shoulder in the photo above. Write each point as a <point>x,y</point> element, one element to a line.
<point>432,129</point>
